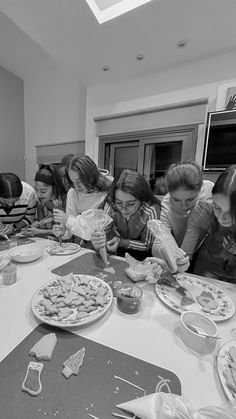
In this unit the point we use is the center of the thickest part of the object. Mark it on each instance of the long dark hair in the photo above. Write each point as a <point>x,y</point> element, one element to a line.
<point>10,186</point>
<point>89,174</point>
<point>50,175</point>
<point>135,184</point>
<point>184,175</point>
<point>226,185</point>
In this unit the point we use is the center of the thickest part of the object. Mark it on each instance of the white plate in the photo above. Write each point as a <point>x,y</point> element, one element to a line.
<point>64,249</point>
<point>195,287</point>
<point>223,365</point>
<point>4,260</point>
<point>71,321</point>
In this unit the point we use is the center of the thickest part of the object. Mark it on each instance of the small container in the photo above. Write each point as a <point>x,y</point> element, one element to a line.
<point>9,274</point>
<point>203,324</point>
<point>129,298</point>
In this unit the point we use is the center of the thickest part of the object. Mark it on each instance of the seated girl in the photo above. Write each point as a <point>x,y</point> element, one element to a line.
<point>186,189</point>
<point>131,205</point>
<point>88,190</point>
<point>50,194</point>
<point>17,204</point>
<point>213,227</point>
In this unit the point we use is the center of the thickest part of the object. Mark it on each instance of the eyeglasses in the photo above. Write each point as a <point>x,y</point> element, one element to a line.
<point>128,205</point>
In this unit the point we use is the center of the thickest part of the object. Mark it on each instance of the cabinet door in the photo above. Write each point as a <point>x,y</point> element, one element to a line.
<point>123,156</point>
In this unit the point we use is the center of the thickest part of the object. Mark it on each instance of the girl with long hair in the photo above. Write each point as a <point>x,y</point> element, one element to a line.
<point>186,188</point>
<point>50,193</point>
<point>212,227</point>
<point>131,205</point>
<point>88,190</point>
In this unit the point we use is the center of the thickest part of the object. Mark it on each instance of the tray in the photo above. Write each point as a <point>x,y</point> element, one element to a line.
<point>95,391</point>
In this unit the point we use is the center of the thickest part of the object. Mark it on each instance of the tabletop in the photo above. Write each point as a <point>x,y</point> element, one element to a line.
<point>151,335</point>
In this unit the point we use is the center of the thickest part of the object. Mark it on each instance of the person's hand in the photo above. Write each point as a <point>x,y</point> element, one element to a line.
<point>98,239</point>
<point>6,229</point>
<point>112,245</point>
<point>31,230</point>
<point>35,224</point>
<point>59,216</point>
<point>158,267</point>
<point>58,230</point>
<point>231,103</point>
<point>183,263</point>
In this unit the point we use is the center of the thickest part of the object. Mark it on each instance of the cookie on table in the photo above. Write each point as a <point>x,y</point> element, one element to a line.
<point>44,348</point>
<point>32,383</point>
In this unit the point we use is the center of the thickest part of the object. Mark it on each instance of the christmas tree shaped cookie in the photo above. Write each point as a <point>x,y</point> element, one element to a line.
<point>73,364</point>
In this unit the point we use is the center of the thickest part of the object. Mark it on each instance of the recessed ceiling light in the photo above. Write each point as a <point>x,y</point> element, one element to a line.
<point>182,43</point>
<point>140,57</point>
<point>106,68</point>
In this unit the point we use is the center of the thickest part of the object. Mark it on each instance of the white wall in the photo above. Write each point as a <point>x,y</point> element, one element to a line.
<point>193,81</point>
<point>55,106</point>
<point>12,135</point>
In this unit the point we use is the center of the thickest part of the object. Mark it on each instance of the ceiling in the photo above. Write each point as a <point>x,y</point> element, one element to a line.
<point>35,34</point>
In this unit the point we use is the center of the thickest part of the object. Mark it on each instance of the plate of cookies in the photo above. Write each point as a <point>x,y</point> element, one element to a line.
<point>226,365</point>
<point>63,249</point>
<point>72,300</point>
<point>183,292</point>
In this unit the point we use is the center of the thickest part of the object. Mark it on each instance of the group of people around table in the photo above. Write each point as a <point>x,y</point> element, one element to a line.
<point>200,215</point>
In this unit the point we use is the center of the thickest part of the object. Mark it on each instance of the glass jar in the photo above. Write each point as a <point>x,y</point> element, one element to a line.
<point>129,298</point>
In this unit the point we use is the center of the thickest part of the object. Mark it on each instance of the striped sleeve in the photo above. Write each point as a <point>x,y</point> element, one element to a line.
<point>146,237</point>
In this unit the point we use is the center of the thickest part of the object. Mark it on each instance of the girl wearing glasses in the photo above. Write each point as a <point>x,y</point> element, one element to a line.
<point>88,190</point>
<point>131,205</point>
<point>214,225</point>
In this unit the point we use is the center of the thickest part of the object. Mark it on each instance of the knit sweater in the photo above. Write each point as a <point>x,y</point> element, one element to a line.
<point>22,210</point>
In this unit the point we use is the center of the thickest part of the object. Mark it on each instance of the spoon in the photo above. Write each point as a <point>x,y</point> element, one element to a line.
<point>194,329</point>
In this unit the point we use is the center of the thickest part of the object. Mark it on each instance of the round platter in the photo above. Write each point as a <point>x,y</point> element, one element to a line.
<point>64,249</point>
<point>192,293</point>
<point>226,365</point>
<point>72,301</point>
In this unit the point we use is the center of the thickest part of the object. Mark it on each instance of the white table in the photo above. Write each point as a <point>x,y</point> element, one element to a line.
<point>151,334</point>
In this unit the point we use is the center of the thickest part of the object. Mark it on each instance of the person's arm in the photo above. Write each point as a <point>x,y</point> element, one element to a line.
<point>71,210</point>
<point>198,224</point>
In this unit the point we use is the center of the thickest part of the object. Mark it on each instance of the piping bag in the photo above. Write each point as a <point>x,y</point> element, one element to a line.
<point>96,220</point>
<point>171,406</point>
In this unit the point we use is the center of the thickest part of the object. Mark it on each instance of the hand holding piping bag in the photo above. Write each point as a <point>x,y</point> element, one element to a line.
<point>95,220</point>
<point>175,258</point>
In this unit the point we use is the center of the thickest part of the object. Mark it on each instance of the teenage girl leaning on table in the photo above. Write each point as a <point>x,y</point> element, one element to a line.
<point>50,192</point>
<point>212,227</point>
<point>186,188</point>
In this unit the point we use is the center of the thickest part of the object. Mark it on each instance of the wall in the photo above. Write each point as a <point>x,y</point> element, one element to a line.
<point>12,135</point>
<point>192,81</point>
<point>55,106</point>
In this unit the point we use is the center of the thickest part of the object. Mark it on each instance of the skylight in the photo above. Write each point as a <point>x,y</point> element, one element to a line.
<point>105,10</point>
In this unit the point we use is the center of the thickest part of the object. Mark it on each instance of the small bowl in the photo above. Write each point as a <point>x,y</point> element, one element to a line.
<point>26,255</point>
<point>129,298</point>
<point>196,341</point>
